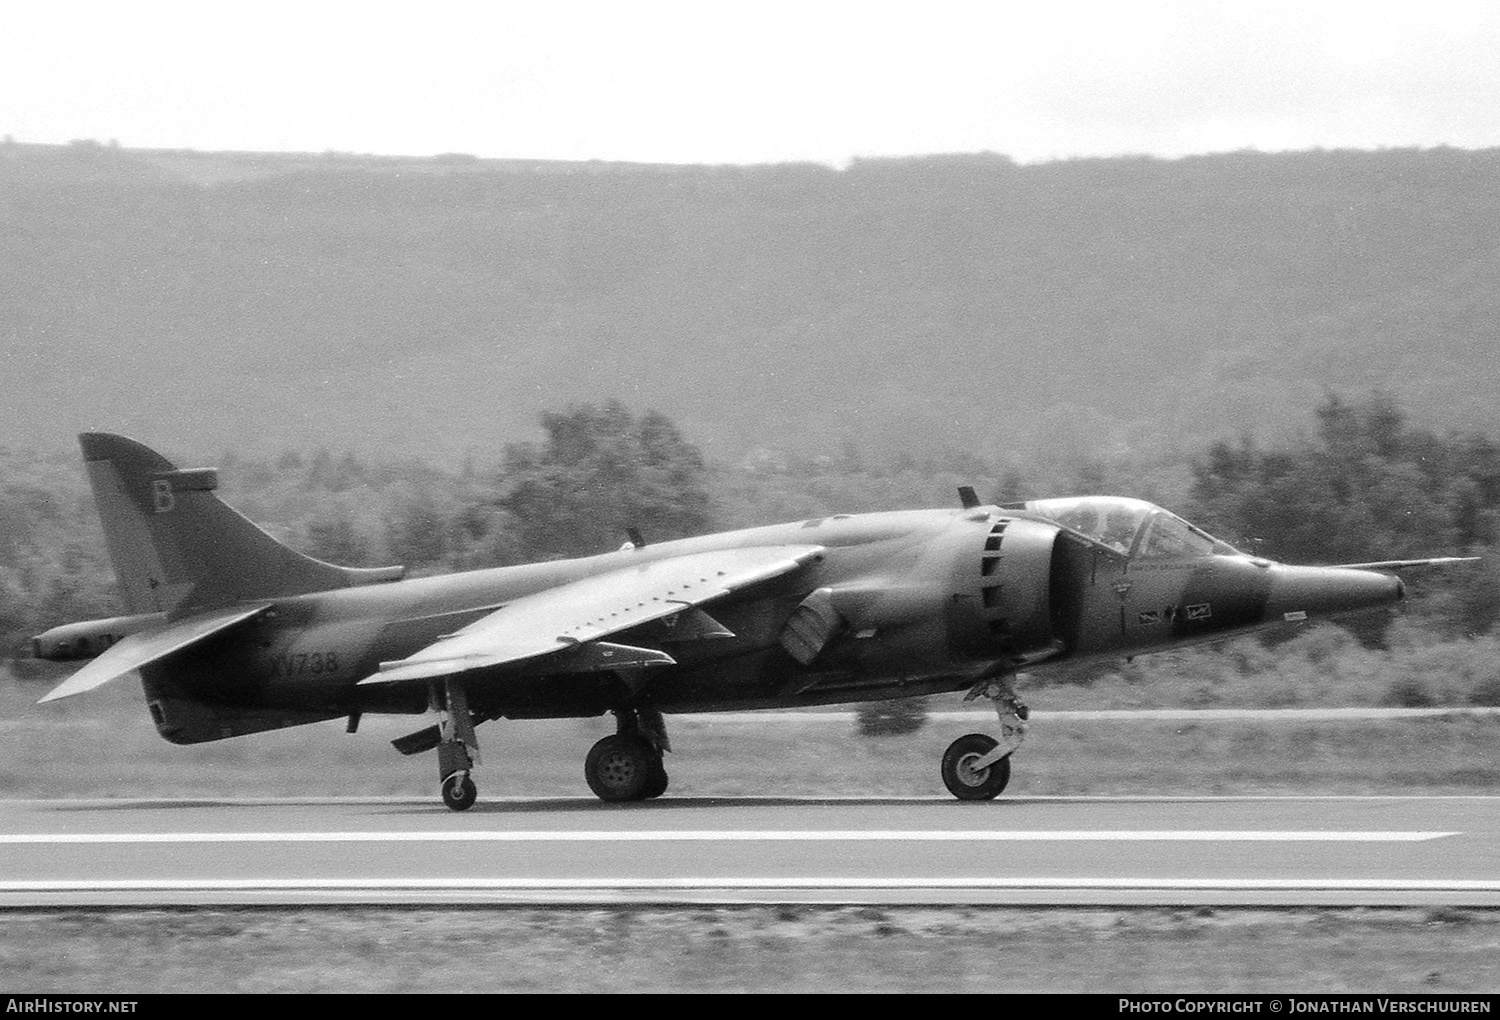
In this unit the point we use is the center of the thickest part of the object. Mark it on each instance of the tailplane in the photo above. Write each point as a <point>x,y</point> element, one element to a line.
<point>177,548</point>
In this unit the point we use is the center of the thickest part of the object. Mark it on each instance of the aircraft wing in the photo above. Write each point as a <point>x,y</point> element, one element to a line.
<point>145,647</point>
<point>571,618</point>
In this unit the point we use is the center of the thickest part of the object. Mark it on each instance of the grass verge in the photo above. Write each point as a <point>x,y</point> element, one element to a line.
<point>728,949</point>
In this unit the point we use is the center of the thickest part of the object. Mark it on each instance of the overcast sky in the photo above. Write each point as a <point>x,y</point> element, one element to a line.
<point>760,81</point>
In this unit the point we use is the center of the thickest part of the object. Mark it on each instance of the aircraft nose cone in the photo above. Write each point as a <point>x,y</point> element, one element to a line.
<point>1324,591</point>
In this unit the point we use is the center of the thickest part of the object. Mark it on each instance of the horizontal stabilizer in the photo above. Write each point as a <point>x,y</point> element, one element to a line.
<point>568,621</point>
<point>145,647</point>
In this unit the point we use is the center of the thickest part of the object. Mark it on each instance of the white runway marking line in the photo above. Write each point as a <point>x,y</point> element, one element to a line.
<point>742,836</point>
<point>730,883</point>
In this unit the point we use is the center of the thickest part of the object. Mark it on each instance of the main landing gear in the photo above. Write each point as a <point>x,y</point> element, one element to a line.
<point>628,765</point>
<point>624,766</point>
<point>976,766</point>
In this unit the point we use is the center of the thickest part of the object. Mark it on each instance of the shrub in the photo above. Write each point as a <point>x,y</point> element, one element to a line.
<point>1409,692</point>
<point>1319,643</point>
<point>1486,692</point>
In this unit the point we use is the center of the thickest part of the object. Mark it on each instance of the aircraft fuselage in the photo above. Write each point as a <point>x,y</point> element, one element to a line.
<point>929,601</point>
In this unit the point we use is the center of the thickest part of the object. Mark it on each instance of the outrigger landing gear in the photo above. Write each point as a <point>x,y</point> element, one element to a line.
<point>628,764</point>
<point>977,766</point>
<point>458,747</point>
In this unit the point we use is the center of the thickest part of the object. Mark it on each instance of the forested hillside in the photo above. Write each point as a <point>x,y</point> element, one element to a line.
<point>945,306</point>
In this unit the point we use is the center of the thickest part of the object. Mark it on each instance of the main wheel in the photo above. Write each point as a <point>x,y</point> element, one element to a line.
<point>459,792</point>
<point>966,782</point>
<point>620,768</point>
<point>658,783</point>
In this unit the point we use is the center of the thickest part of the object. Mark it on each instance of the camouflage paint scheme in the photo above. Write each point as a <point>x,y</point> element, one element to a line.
<point>233,633</point>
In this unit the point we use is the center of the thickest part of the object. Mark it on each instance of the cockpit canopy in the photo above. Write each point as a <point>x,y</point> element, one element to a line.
<point>1131,527</point>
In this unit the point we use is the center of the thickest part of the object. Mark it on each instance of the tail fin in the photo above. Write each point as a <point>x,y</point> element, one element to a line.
<point>178,548</point>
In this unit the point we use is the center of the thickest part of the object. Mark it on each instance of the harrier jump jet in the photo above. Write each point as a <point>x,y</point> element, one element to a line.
<point>232,632</point>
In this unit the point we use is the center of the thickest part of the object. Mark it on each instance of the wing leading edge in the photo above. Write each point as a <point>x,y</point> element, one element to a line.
<point>568,621</point>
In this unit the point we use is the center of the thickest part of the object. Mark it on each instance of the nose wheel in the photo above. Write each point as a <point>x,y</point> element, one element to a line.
<point>964,773</point>
<point>976,766</point>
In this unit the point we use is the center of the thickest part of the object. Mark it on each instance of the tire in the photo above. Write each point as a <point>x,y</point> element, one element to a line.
<point>962,780</point>
<point>459,792</point>
<point>658,784</point>
<point>620,768</point>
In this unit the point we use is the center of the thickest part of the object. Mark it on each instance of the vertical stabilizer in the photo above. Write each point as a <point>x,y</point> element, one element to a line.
<point>178,548</point>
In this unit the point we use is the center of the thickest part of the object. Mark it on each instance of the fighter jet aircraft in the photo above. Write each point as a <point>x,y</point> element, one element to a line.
<point>233,633</point>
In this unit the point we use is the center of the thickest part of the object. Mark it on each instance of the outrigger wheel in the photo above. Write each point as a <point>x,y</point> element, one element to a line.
<point>965,781</point>
<point>459,791</point>
<point>624,767</point>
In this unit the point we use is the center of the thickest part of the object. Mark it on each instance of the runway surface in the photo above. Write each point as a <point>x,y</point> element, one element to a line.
<point>1070,851</point>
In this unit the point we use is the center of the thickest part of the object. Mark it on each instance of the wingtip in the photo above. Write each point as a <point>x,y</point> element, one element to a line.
<point>58,693</point>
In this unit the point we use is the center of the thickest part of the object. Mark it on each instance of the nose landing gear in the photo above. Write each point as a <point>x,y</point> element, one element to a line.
<point>977,766</point>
